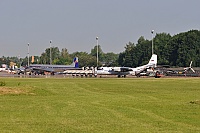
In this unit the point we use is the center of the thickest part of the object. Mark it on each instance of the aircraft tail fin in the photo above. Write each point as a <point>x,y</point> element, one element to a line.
<point>153,60</point>
<point>75,62</point>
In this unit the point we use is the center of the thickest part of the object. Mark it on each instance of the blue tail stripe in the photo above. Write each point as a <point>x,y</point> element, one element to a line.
<point>76,62</point>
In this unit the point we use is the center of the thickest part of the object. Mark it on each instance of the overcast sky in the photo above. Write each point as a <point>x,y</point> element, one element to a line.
<point>74,24</point>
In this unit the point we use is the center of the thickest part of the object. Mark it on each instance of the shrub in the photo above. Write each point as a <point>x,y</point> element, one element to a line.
<point>2,83</point>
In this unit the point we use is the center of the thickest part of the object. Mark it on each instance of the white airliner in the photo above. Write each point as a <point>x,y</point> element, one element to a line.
<point>42,68</point>
<point>123,71</point>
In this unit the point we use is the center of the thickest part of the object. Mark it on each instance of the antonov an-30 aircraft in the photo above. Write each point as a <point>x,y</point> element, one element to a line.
<point>42,68</point>
<point>123,71</point>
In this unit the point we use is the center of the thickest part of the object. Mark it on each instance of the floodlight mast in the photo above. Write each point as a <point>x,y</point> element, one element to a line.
<point>152,41</point>
<point>97,39</point>
<point>28,54</point>
<point>50,53</point>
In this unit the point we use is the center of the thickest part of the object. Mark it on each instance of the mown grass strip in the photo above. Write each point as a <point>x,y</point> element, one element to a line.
<point>100,105</point>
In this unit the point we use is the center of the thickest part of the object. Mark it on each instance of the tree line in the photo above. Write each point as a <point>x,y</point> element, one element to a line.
<point>177,50</point>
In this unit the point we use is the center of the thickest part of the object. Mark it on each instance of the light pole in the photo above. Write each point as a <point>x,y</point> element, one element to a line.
<point>19,61</point>
<point>28,54</point>
<point>152,40</point>
<point>50,52</point>
<point>97,39</point>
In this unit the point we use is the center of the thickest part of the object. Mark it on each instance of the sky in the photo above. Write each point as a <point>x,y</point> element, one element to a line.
<point>75,24</point>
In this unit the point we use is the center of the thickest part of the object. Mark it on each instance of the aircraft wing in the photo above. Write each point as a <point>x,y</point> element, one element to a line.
<point>121,69</point>
<point>44,69</point>
<point>125,69</point>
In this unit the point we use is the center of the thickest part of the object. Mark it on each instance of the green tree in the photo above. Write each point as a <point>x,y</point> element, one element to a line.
<point>55,54</point>
<point>184,47</point>
<point>121,59</point>
<point>110,59</point>
<point>85,59</point>
<point>128,54</point>
<point>44,59</point>
<point>161,47</point>
<point>64,58</point>
<point>100,52</point>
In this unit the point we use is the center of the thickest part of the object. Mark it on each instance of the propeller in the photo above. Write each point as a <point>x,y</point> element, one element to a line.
<point>189,68</point>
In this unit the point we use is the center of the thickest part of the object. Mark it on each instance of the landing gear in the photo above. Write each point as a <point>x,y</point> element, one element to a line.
<point>157,75</point>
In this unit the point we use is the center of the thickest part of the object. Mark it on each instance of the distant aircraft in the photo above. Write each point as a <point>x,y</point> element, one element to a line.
<point>123,71</point>
<point>189,68</point>
<point>45,68</point>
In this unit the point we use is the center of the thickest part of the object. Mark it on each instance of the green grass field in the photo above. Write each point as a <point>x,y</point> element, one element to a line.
<point>100,105</point>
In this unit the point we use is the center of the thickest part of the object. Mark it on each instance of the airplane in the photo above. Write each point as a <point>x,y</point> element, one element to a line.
<point>20,70</point>
<point>189,68</point>
<point>123,71</point>
<point>52,69</point>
